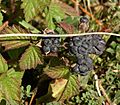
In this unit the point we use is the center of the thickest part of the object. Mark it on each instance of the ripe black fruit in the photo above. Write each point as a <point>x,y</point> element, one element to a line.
<point>84,19</point>
<point>81,47</point>
<point>50,44</point>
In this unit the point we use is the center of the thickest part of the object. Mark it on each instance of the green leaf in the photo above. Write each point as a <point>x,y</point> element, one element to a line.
<point>1,18</point>
<point>28,93</point>
<point>56,72</point>
<point>113,44</point>
<point>10,87</point>
<point>84,79</point>
<point>15,53</point>
<point>118,52</point>
<point>3,65</point>
<point>33,7</point>
<point>110,50</point>
<point>54,12</point>
<point>31,58</point>
<point>29,26</point>
<point>72,88</point>
<point>117,97</point>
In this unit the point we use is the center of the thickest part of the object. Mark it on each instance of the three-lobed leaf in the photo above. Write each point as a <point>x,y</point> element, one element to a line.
<point>31,58</point>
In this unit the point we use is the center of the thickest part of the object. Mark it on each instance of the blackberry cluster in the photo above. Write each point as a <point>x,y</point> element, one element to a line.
<point>50,44</point>
<point>81,47</point>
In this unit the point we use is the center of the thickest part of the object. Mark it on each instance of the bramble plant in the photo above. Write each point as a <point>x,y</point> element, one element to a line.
<point>50,69</point>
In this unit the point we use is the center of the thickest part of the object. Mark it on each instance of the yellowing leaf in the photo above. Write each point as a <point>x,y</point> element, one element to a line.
<point>71,88</point>
<point>3,65</point>
<point>58,87</point>
<point>56,72</point>
<point>16,41</point>
<point>13,29</point>
<point>62,89</point>
<point>31,58</point>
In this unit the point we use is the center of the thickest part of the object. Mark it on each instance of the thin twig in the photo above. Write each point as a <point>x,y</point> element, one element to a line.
<point>77,6</point>
<point>104,93</point>
<point>116,71</point>
<point>89,14</point>
<point>26,102</point>
<point>4,25</point>
<point>85,5</point>
<point>97,86</point>
<point>12,5</point>
<point>33,96</point>
<point>89,6</point>
<point>59,35</point>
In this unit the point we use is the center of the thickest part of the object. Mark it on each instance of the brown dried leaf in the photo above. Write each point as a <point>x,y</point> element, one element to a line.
<point>67,27</point>
<point>58,87</point>
<point>14,44</point>
<point>67,9</point>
